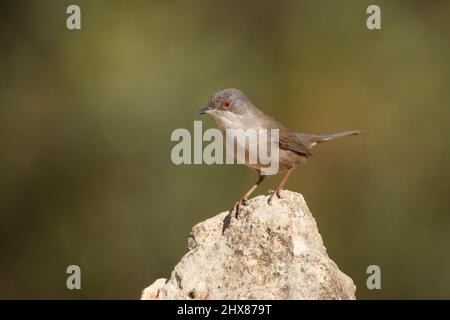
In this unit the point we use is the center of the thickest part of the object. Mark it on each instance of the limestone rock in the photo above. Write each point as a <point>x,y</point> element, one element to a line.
<point>270,252</point>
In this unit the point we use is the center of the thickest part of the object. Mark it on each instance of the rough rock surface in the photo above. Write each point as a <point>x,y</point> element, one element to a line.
<point>270,252</point>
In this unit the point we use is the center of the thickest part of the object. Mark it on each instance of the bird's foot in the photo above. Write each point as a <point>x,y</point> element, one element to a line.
<point>237,206</point>
<point>236,209</point>
<point>276,192</point>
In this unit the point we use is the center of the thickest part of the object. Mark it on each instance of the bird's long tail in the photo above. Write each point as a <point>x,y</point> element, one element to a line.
<point>312,139</point>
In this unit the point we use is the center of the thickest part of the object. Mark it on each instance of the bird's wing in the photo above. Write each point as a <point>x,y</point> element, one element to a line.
<point>287,139</point>
<point>290,141</point>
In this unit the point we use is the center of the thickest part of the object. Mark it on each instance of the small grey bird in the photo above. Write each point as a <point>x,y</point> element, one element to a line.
<point>231,109</point>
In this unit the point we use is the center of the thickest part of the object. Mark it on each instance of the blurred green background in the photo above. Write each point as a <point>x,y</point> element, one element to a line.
<point>86,117</point>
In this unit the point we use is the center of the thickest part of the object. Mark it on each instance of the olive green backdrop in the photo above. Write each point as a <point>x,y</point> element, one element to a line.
<point>86,117</point>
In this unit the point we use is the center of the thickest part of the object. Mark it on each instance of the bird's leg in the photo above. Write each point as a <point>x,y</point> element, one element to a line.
<point>243,201</point>
<point>279,187</point>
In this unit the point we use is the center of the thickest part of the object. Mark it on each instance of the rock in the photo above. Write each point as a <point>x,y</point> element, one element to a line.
<point>270,252</point>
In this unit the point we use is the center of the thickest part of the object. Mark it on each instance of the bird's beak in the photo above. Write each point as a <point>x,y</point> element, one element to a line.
<point>205,110</point>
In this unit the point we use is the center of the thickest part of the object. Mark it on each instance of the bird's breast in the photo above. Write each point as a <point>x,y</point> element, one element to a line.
<point>244,139</point>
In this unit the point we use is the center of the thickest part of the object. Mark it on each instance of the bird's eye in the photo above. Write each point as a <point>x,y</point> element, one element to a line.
<point>226,104</point>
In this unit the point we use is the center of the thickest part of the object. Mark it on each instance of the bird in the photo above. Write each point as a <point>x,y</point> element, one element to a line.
<point>231,109</point>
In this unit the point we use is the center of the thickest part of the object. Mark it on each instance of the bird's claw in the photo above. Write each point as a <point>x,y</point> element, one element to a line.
<point>237,206</point>
<point>237,209</point>
<point>271,194</point>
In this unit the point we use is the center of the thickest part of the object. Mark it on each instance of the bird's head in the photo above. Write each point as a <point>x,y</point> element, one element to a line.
<point>225,102</point>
